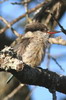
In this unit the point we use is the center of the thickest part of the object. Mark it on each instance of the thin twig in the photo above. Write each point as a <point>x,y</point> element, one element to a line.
<point>48,57</point>
<point>9,79</point>
<point>57,40</point>
<point>3,1</point>
<point>20,3</point>
<point>13,92</point>
<point>30,93</point>
<point>63,30</point>
<point>26,10</point>
<point>55,8</point>
<point>57,63</point>
<point>9,25</point>
<point>20,17</point>
<point>54,96</point>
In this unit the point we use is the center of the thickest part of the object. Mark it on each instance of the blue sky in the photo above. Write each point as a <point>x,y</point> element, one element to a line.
<point>43,93</point>
<point>10,12</point>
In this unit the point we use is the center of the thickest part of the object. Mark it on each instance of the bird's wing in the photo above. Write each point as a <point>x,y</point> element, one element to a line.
<point>21,45</point>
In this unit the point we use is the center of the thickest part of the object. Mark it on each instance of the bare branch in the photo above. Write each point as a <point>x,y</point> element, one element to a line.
<point>9,25</point>
<point>25,74</point>
<point>30,93</point>
<point>3,1</point>
<point>55,8</point>
<point>28,75</point>
<point>13,92</point>
<point>63,30</point>
<point>20,17</point>
<point>57,40</point>
<point>40,77</point>
<point>23,2</point>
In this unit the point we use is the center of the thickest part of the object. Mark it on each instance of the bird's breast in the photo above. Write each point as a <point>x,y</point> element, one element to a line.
<point>34,53</point>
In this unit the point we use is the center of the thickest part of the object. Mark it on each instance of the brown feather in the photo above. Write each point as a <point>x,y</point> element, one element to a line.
<point>20,47</point>
<point>31,46</point>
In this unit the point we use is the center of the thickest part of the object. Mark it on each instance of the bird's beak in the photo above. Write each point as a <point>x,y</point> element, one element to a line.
<point>54,32</point>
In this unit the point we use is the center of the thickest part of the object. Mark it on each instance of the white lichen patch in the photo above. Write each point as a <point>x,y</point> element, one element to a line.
<point>8,62</point>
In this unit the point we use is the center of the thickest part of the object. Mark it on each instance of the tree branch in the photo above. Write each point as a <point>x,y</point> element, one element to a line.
<point>9,62</point>
<point>20,17</point>
<point>57,40</point>
<point>40,77</point>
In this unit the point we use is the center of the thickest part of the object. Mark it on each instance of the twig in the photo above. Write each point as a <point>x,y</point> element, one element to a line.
<point>40,77</point>
<point>48,57</point>
<point>13,92</point>
<point>15,32</point>
<point>63,30</point>
<point>9,25</point>
<point>30,93</point>
<point>28,75</point>
<point>20,17</point>
<point>57,63</point>
<point>54,59</point>
<point>55,8</point>
<point>6,22</point>
<point>9,79</point>
<point>54,96</point>
<point>3,1</point>
<point>26,10</point>
<point>57,40</point>
<point>23,2</point>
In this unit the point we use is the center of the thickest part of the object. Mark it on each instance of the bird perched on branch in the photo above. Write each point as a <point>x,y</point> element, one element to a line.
<point>30,47</point>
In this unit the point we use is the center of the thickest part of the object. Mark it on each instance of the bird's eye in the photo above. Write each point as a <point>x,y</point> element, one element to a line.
<point>45,29</point>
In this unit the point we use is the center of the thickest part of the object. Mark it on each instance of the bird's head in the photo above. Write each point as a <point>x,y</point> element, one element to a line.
<point>36,26</point>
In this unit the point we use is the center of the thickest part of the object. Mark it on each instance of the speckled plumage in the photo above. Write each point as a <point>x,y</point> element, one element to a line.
<point>31,46</point>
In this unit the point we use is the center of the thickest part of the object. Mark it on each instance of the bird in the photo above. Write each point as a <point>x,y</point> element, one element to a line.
<point>31,47</point>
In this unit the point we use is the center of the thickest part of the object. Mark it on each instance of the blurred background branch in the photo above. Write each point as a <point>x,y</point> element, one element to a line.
<point>15,15</point>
